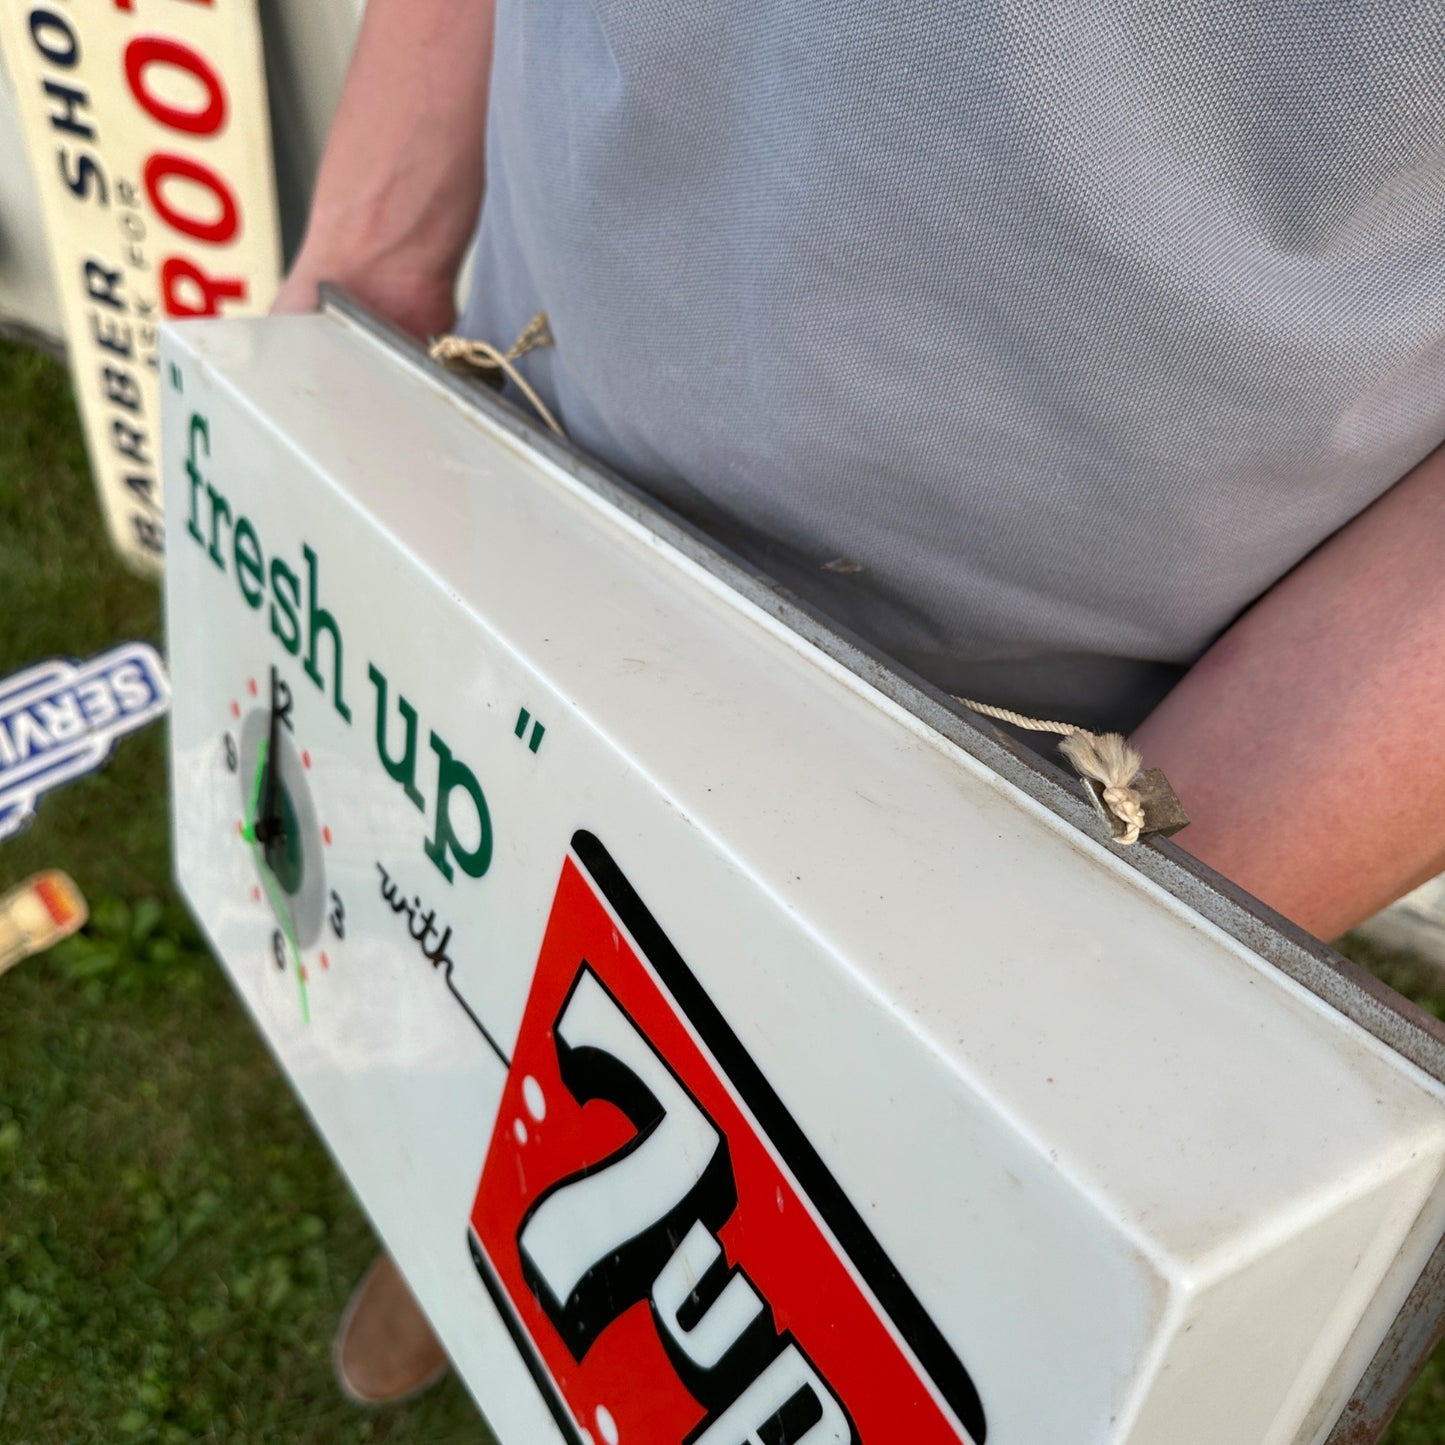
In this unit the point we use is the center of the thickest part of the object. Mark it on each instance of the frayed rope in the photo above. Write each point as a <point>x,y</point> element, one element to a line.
<point>1107,758</point>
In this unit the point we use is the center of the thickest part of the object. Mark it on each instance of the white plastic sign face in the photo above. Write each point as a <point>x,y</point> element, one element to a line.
<point>725,1055</point>
<point>149,138</point>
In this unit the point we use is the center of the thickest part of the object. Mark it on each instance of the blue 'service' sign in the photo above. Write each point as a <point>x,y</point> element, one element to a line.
<point>60,720</point>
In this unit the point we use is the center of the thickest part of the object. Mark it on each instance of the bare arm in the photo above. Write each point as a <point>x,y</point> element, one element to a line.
<point>1308,743</point>
<point>401,181</point>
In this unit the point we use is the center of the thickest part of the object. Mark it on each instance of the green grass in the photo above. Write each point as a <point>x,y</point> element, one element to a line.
<point>175,1245</point>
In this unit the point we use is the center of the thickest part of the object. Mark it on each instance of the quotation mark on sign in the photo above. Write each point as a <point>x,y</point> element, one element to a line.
<point>523,718</point>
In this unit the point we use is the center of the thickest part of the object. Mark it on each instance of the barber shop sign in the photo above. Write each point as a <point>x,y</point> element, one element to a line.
<point>149,138</point>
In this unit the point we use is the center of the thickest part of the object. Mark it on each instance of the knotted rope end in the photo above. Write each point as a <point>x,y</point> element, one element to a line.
<point>463,354</point>
<point>1111,762</point>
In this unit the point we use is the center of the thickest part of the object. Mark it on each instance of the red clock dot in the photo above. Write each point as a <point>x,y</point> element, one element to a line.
<point>240,827</point>
<point>255,895</point>
<point>306,760</point>
<point>251,686</point>
<point>326,836</point>
<point>235,709</point>
<point>303,973</point>
<point>325,962</point>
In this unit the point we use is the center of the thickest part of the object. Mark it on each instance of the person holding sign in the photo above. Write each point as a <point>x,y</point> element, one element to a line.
<point>1088,362</point>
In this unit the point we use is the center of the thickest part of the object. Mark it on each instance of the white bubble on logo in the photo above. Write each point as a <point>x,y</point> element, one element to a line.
<point>534,1098</point>
<point>606,1425</point>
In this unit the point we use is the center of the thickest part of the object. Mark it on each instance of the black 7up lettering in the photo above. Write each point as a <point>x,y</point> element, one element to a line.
<point>642,1225</point>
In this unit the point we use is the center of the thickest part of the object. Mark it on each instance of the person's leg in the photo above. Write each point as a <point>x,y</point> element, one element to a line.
<point>385,1350</point>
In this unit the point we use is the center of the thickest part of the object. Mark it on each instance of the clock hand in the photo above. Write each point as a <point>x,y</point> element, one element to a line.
<point>249,831</point>
<point>270,826</point>
<point>283,915</point>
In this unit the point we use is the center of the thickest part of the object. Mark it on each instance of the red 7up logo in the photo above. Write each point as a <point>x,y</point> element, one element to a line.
<point>672,1256</point>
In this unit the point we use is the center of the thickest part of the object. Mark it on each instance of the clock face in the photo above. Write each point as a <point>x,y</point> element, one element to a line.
<point>280,825</point>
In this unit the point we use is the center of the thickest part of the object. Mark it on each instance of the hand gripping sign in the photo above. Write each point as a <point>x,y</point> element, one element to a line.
<point>60,720</point>
<point>671,1254</point>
